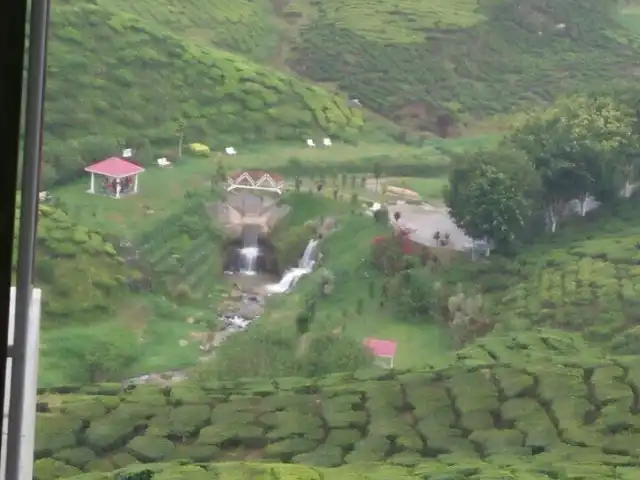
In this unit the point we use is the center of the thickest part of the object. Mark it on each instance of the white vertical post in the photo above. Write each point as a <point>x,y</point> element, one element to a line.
<point>135,183</point>
<point>30,382</point>
<point>92,187</point>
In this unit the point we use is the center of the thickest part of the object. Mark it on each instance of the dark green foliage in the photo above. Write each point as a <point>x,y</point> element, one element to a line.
<point>275,354</point>
<point>414,293</point>
<point>446,64</point>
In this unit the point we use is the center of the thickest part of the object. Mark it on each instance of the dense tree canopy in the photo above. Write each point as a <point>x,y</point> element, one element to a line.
<point>580,146</point>
<point>489,195</point>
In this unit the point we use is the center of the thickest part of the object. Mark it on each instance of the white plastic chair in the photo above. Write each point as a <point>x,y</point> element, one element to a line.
<point>327,142</point>
<point>310,143</point>
<point>230,151</point>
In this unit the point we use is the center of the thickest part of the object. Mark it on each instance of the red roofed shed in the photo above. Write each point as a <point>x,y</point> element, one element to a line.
<point>121,176</point>
<point>383,350</point>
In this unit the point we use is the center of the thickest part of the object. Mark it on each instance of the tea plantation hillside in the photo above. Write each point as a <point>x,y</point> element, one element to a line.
<point>562,414</point>
<point>79,271</point>
<point>248,27</point>
<point>114,76</point>
<point>433,63</point>
<point>586,278</point>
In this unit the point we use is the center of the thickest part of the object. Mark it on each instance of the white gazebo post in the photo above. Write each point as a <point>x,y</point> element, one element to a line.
<point>92,186</point>
<point>135,183</point>
<point>118,188</point>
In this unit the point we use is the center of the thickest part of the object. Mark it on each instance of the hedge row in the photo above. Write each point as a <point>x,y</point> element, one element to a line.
<point>542,411</point>
<point>453,468</point>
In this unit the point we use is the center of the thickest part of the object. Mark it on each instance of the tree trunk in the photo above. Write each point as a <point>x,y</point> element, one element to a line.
<point>180,140</point>
<point>552,217</point>
<point>582,201</point>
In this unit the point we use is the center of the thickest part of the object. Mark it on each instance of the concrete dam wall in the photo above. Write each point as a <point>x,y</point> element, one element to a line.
<point>240,210</point>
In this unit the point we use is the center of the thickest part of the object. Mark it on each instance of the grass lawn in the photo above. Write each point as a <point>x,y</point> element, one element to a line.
<point>161,190</point>
<point>419,344</point>
<point>629,17</point>
<point>160,324</point>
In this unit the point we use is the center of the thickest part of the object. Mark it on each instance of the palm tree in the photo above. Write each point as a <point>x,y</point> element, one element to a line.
<point>180,126</point>
<point>377,173</point>
<point>221,173</point>
<point>295,164</point>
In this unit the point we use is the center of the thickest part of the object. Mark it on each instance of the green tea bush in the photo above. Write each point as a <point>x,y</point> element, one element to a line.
<point>582,280</point>
<point>543,399</point>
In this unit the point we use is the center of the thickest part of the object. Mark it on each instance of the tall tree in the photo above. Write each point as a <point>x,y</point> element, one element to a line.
<point>485,202</point>
<point>295,164</point>
<point>221,173</point>
<point>580,146</point>
<point>180,128</point>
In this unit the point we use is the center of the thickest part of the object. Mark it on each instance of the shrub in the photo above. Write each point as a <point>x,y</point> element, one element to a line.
<point>188,419</point>
<point>77,457</point>
<point>199,149</point>
<point>89,409</point>
<point>196,453</point>
<point>322,457</point>
<point>50,469</point>
<point>55,432</point>
<point>414,293</point>
<point>110,432</point>
<point>148,448</point>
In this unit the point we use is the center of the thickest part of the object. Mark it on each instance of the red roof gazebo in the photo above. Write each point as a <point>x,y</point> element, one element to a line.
<point>256,180</point>
<point>121,176</point>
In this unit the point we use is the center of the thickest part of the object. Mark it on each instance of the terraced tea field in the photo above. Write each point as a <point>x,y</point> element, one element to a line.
<point>243,26</point>
<point>587,280</point>
<point>544,415</point>
<point>401,21</point>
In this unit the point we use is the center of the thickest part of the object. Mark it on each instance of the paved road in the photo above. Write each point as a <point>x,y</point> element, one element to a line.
<point>426,221</point>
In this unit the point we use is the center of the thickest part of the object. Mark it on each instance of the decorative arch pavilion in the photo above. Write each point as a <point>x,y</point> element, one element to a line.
<point>255,180</point>
<point>120,177</point>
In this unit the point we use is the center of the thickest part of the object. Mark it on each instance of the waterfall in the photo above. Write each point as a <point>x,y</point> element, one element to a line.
<point>248,260</point>
<point>250,250</point>
<point>305,266</point>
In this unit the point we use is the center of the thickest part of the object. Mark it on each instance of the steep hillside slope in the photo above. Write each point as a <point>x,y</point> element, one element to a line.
<point>112,74</point>
<point>551,417</point>
<point>247,27</point>
<point>428,64</point>
<point>80,273</point>
<point>584,279</point>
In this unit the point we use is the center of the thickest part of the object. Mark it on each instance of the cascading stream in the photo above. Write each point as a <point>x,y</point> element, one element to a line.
<point>291,276</point>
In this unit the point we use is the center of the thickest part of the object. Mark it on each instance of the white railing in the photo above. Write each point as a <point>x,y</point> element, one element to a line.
<point>31,350</point>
